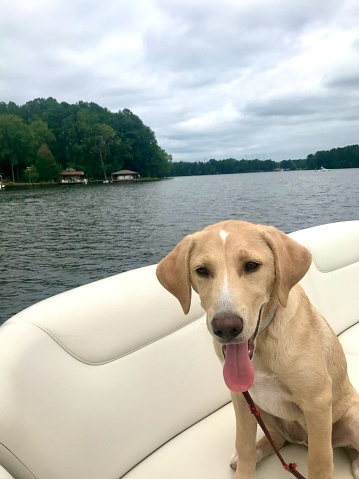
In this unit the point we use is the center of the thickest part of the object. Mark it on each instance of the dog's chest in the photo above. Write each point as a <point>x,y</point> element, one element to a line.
<point>272,397</point>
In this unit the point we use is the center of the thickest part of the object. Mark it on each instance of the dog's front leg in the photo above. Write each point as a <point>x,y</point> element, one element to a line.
<point>246,428</point>
<point>318,415</point>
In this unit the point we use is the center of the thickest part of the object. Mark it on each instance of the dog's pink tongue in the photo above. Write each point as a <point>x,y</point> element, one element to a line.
<point>238,370</point>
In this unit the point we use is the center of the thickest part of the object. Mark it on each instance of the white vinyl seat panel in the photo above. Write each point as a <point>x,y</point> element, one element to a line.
<point>100,420</point>
<point>332,282</point>
<point>4,474</point>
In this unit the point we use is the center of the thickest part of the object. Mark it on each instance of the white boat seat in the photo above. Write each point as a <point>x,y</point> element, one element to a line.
<point>111,380</point>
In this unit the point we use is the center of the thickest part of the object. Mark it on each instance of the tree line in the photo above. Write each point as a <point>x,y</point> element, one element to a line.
<point>346,157</point>
<point>43,137</point>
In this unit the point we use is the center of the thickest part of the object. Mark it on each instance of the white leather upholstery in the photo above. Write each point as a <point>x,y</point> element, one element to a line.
<point>111,380</point>
<point>350,340</point>
<point>93,415</point>
<point>4,474</point>
<point>333,279</point>
<point>333,246</point>
<point>204,450</point>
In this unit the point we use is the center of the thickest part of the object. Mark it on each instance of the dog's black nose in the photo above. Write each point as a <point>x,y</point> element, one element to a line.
<point>227,326</point>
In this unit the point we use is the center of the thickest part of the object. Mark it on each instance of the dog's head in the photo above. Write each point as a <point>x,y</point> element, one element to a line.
<point>236,268</point>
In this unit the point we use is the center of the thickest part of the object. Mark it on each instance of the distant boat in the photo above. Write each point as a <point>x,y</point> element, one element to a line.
<point>322,169</point>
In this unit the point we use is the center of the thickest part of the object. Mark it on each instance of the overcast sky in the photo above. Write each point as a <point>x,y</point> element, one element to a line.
<point>213,78</point>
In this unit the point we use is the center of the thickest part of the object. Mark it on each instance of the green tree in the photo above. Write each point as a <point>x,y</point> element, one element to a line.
<point>105,139</point>
<point>46,166</point>
<point>15,145</point>
<point>85,136</point>
<point>41,133</point>
<point>163,163</point>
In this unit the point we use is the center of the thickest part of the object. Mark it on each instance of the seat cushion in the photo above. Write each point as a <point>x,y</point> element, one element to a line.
<point>204,450</point>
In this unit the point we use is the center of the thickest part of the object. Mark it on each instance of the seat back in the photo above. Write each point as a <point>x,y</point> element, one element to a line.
<point>332,282</point>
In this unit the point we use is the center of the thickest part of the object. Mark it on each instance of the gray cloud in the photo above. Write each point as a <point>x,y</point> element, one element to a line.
<point>276,79</point>
<point>349,80</point>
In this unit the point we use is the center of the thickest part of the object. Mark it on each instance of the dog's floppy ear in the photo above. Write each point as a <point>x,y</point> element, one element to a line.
<point>292,261</point>
<point>173,272</point>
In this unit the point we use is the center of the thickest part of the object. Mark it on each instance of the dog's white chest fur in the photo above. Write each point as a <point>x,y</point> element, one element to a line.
<point>271,396</point>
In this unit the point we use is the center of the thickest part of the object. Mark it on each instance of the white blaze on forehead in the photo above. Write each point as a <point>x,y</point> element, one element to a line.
<point>223,234</point>
<point>225,302</point>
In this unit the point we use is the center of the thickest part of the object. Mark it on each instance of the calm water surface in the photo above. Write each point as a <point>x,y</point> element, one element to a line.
<point>54,239</point>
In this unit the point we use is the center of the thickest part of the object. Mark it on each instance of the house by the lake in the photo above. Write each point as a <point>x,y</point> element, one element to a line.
<point>125,175</point>
<point>70,177</point>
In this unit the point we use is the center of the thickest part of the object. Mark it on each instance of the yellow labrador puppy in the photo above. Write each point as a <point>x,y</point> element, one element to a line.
<point>271,341</point>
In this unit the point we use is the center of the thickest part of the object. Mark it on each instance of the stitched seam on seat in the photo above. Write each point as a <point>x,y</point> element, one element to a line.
<point>333,269</point>
<point>3,445</point>
<point>321,270</point>
<point>351,326</point>
<point>100,363</point>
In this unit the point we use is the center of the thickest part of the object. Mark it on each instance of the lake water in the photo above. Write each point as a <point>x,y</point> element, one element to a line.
<point>54,239</point>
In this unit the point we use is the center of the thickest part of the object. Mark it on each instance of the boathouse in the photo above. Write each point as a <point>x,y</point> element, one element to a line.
<point>125,175</point>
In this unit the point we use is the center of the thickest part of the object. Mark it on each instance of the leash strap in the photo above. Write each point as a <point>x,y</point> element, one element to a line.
<point>292,467</point>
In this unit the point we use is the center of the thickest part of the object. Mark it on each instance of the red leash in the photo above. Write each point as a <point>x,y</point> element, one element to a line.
<point>292,467</point>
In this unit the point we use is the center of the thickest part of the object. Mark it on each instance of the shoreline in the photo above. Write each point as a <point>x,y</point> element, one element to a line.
<point>20,185</point>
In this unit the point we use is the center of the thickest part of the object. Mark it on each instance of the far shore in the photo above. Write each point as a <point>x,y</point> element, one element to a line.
<point>11,184</point>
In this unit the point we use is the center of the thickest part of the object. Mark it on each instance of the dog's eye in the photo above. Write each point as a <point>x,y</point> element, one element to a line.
<point>202,271</point>
<point>251,266</point>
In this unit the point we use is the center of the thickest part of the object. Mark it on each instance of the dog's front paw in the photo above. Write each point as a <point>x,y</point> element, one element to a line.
<point>234,461</point>
<point>259,456</point>
<point>240,474</point>
<point>355,468</point>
